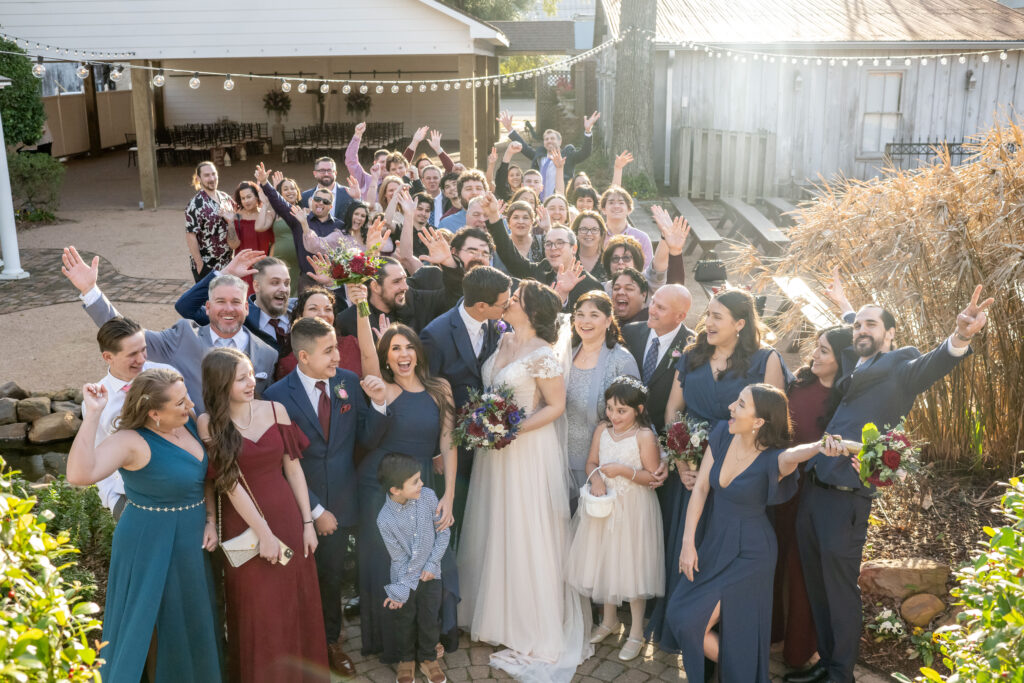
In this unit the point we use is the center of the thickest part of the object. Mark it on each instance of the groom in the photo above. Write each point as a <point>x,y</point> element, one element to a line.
<point>328,406</point>
<point>457,343</point>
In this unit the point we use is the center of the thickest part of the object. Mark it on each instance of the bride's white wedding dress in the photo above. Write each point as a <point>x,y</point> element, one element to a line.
<point>514,541</point>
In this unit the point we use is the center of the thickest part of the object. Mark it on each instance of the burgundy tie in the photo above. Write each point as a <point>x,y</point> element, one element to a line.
<point>323,409</point>
<point>284,343</point>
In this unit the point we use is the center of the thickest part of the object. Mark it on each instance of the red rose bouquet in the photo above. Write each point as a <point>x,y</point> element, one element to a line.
<point>886,457</point>
<point>488,420</point>
<point>350,266</point>
<point>685,442</point>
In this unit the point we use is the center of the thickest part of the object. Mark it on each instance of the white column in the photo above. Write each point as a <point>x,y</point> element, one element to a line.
<point>8,233</point>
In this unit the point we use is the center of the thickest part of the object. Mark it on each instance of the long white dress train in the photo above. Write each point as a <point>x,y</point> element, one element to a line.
<point>515,539</point>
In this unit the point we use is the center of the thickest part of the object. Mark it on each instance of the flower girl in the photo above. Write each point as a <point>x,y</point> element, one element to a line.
<point>620,556</point>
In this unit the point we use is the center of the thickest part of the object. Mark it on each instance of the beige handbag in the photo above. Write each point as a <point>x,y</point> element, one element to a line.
<point>246,545</point>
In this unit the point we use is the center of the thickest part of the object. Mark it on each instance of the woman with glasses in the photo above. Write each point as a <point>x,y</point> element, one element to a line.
<point>521,219</point>
<point>590,232</point>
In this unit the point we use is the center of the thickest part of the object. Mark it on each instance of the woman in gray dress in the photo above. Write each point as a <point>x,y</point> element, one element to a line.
<point>598,358</point>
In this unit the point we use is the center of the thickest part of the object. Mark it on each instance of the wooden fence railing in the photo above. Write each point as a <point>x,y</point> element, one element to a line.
<point>726,163</point>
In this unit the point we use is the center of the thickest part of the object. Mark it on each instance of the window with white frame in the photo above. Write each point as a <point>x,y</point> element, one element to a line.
<point>881,111</point>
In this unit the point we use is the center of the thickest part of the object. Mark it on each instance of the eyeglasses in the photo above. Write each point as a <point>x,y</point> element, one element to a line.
<point>322,200</point>
<point>323,170</point>
<point>557,244</point>
<point>623,258</point>
<point>472,251</point>
<point>589,231</point>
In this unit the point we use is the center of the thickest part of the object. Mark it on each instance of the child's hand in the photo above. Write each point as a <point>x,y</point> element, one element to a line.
<point>426,576</point>
<point>597,487</point>
<point>393,604</point>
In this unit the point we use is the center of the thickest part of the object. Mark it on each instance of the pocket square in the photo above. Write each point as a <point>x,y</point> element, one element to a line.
<point>261,375</point>
<point>345,408</point>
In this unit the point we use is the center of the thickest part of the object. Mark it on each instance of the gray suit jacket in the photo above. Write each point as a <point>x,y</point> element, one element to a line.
<point>184,344</point>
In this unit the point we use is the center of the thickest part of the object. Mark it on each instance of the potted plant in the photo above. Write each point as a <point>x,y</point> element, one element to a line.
<point>278,103</point>
<point>358,103</point>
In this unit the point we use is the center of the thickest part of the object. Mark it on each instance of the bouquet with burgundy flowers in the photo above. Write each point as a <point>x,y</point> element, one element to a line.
<point>489,419</point>
<point>685,442</point>
<point>350,266</point>
<point>886,457</point>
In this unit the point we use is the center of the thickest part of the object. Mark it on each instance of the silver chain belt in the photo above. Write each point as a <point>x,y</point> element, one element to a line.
<point>165,508</point>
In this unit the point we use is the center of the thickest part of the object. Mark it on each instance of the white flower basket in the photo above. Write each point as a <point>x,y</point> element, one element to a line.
<point>596,506</point>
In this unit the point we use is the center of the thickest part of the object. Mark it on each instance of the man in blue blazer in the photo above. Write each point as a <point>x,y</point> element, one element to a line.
<point>328,406</point>
<point>269,307</point>
<point>879,385</point>
<point>553,143</point>
<point>184,344</point>
<point>325,171</point>
<point>457,343</point>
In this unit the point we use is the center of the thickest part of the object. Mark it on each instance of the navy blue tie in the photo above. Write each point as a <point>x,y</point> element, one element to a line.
<point>650,360</point>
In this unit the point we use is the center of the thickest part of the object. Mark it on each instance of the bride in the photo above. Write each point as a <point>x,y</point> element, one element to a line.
<point>515,536</point>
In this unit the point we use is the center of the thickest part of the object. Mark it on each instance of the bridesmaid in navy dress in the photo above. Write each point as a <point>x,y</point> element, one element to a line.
<point>422,410</point>
<point>729,580</point>
<point>726,356</point>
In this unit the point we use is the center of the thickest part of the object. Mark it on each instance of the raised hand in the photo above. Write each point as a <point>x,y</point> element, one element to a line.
<point>321,270</point>
<point>543,220</point>
<point>81,274</point>
<point>492,158</point>
<point>973,318</point>
<point>439,252</point>
<point>673,231</point>
<point>383,323</point>
<point>505,119</point>
<point>835,290</point>
<point>589,121</point>
<point>491,207</point>
<point>375,388</point>
<point>241,264</point>
<point>276,178</point>
<point>352,188</point>
<point>94,398</point>
<point>557,159</point>
<point>376,234</point>
<point>227,210</point>
<point>413,173</point>
<point>300,215</point>
<point>360,129</point>
<point>568,278</point>
<point>262,174</point>
<point>405,201</point>
<point>418,136</point>
<point>511,149</point>
<point>624,159</point>
<point>435,141</point>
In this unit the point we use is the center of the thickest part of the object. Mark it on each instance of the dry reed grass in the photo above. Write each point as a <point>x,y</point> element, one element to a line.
<point>918,242</point>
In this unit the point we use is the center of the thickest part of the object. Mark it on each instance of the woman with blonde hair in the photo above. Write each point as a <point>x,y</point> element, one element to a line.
<point>160,587</point>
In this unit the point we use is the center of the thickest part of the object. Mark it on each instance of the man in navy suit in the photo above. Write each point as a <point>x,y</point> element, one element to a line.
<point>553,143</point>
<point>325,171</point>
<point>879,385</point>
<point>268,307</point>
<point>458,342</point>
<point>327,404</point>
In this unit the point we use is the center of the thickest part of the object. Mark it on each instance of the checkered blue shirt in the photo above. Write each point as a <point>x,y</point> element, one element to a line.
<point>414,545</point>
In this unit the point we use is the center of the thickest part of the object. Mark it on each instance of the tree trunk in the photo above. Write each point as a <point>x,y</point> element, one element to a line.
<point>633,120</point>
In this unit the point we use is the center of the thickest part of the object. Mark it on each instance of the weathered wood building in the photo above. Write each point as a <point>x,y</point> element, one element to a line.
<point>733,117</point>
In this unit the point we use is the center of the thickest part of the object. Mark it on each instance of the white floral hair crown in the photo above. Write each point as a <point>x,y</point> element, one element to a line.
<point>631,381</point>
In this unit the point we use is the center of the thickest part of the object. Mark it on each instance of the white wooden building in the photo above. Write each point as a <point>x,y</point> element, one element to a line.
<point>724,124</point>
<point>383,39</point>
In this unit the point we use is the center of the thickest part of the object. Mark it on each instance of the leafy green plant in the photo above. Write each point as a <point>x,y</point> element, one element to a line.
<point>36,180</point>
<point>922,644</point>
<point>358,103</point>
<point>640,185</point>
<point>987,642</point>
<point>21,103</point>
<point>277,101</point>
<point>887,624</point>
<point>45,624</point>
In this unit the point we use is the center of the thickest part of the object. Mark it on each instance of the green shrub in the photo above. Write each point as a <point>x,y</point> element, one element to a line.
<point>640,185</point>
<point>36,180</point>
<point>21,103</point>
<point>45,625</point>
<point>987,642</point>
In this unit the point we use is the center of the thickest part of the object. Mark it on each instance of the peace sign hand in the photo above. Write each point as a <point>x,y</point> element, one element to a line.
<point>973,318</point>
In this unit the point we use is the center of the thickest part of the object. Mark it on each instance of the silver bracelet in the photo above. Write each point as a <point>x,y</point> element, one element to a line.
<point>633,478</point>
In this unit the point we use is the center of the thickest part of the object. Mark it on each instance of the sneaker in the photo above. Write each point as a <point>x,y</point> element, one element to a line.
<point>406,672</point>
<point>433,672</point>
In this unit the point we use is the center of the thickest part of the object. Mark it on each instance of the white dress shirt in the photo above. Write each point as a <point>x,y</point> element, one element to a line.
<point>664,342</point>
<point>240,341</point>
<point>475,328</point>
<point>112,488</point>
<point>265,325</point>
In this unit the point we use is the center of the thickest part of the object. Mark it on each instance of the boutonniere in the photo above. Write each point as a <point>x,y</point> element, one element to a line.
<point>340,392</point>
<point>677,352</point>
<point>501,326</point>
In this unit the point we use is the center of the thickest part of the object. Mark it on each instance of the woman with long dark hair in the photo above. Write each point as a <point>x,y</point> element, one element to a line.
<point>274,621</point>
<point>160,587</point>
<point>251,226</point>
<point>727,354</point>
<point>318,302</point>
<point>422,411</point>
<point>813,398</point>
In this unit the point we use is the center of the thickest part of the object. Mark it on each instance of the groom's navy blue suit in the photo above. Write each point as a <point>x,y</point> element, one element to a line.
<point>330,471</point>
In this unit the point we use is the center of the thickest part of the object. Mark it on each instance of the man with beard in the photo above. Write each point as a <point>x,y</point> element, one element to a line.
<point>325,171</point>
<point>879,385</point>
<point>206,222</point>
<point>553,143</point>
<point>629,297</point>
<point>269,306</point>
<point>185,343</point>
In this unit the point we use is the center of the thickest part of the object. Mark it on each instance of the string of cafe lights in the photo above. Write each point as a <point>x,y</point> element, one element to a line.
<point>300,82</point>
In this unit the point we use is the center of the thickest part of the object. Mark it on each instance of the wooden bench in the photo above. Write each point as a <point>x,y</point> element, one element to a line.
<point>814,309</point>
<point>701,230</point>
<point>761,231</point>
<point>780,211</point>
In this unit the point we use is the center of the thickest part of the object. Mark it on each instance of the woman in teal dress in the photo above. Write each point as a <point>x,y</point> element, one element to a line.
<point>160,585</point>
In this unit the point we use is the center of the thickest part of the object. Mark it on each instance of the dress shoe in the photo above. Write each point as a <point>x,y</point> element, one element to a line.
<point>341,663</point>
<point>405,672</point>
<point>602,632</point>
<point>631,649</point>
<point>815,674</point>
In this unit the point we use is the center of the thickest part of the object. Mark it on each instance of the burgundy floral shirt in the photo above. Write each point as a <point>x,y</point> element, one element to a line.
<point>202,218</point>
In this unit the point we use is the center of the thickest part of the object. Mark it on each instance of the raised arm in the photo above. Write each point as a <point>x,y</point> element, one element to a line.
<point>417,138</point>
<point>352,155</point>
<point>492,164</point>
<point>790,458</point>
<point>88,463</point>
<point>517,265</point>
<point>364,333</point>
<point>435,144</point>
<point>621,162</point>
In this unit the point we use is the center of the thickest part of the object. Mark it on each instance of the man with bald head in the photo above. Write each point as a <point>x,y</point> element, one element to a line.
<point>654,345</point>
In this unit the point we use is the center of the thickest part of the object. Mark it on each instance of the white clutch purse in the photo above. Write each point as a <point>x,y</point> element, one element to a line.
<point>246,545</point>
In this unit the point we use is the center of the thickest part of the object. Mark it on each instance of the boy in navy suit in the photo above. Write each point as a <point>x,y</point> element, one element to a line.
<point>329,407</point>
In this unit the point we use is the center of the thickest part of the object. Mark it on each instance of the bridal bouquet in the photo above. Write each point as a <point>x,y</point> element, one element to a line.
<point>350,266</point>
<point>685,442</point>
<point>489,419</point>
<point>886,457</point>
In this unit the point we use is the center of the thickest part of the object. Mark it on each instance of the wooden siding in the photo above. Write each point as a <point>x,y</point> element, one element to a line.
<point>66,117</point>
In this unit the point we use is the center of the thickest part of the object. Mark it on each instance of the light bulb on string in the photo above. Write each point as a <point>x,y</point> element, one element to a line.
<point>457,85</point>
<point>378,89</point>
<point>860,62</point>
<point>806,61</point>
<point>229,84</point>
<point>906,62</point>
<point>924,61</point>
<point>286,86</point>
<point>159,79</point>
<point>116,73</point>
<point>888,62</point>
<point>394,90</point>
<point>325,88</point>
<point>363,88</point>
<point>846,62</point>
<point>961,59</point>
<point>817,61</point>
<point>194,81</point>
<point>82,71</point>
<point>433,87</point>
<point>875,62</point>
<point>984,59</point>
<point>302,87</point>
<point>423,87</point>
<point>408,87</point>
<point>38,69</point>
<point>447,87</point>
<point>944,61</point>
<point>346,89</point>
<point>1003,55</point>
<point>478,84</point>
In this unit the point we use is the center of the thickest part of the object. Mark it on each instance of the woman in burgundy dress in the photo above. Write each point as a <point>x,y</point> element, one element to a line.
<point>274,620</point>
<point>813,398</point>
<point>251,227</point>
<point>318,302</point>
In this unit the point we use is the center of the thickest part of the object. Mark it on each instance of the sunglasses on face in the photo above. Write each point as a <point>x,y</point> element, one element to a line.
<point>622,259</point>
<point>323,200</point>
